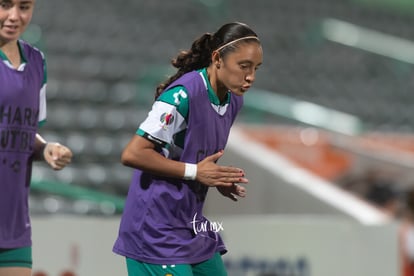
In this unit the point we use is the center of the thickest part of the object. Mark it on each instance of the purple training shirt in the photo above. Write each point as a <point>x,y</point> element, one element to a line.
<point>19,113</point>
<point>161,214</point>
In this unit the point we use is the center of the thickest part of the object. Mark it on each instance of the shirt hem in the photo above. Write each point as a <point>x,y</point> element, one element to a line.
<point>169,261</point>
<point>15,245</point>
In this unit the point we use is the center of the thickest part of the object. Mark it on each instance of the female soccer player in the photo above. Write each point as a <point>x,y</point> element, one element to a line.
<point>22,108</point>
<point>163,230</point>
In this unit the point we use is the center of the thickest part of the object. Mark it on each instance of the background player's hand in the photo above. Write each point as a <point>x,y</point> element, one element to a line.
<point>232,191</point>
<point>211,174</point>
<point>57,155</point>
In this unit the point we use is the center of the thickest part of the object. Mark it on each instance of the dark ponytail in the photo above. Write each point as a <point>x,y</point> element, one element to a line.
<point>199,56</point>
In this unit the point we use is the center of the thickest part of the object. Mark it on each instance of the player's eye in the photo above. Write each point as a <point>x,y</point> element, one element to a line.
<point>5,4</point>
<point>25,6</point>
<point>244,66</point>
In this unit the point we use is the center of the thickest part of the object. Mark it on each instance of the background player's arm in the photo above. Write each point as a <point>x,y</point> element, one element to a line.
<point>55,154</point>
<point>39,147</point>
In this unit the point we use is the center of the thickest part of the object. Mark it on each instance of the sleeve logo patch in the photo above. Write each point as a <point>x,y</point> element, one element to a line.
<point>166,119</point>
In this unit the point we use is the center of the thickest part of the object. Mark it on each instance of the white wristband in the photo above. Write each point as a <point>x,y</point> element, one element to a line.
<point>190,172</point>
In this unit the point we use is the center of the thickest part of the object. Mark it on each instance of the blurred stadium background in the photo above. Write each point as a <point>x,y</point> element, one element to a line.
<point>326,136</point>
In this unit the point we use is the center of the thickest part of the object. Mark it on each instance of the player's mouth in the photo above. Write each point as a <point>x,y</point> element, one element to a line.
<point>10,28</point>
<point>245,88</point>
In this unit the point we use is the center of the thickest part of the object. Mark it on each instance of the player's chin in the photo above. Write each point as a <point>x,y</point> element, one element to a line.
<point>240,91</point>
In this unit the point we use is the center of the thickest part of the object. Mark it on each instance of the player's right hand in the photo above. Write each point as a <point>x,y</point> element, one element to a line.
<point>211,174</point>
<point>57,155</point>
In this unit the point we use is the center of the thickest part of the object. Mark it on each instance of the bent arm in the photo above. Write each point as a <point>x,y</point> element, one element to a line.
<point>140,153</point>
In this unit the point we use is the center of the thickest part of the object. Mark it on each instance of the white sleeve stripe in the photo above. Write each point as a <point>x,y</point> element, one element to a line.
<point>42,103</point>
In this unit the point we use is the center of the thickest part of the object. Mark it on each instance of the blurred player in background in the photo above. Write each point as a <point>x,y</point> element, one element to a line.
<point>163,230</point>
<point>22,109</point>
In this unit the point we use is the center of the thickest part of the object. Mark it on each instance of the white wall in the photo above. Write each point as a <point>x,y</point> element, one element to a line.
<point>82,244</point>
<point>327,246</point>
<point>309,246</point>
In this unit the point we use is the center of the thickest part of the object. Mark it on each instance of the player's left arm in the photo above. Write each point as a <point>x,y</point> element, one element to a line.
<point>55,154</point>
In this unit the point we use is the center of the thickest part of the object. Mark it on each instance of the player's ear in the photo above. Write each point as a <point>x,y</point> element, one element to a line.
<point>215,59</point>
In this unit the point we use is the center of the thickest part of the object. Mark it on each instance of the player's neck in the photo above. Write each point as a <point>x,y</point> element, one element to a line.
<point>218,87</point>
<point>12,52</point>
